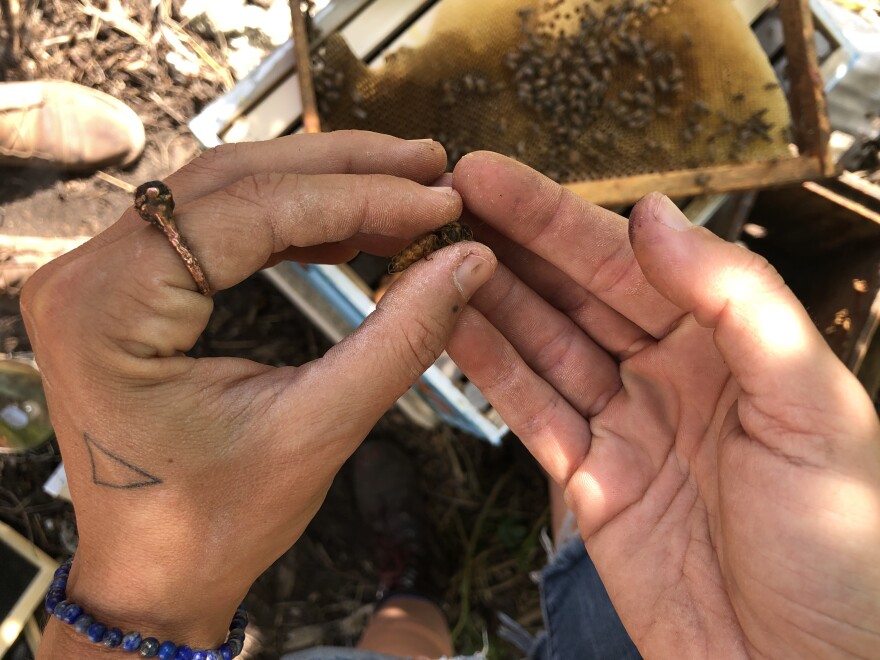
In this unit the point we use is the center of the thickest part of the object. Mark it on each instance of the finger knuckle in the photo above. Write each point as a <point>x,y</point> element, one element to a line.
<point>260,188</point>
<point>52,294</point>
<point>37,296</point>
<point>618,270</point>
<point>759,265</point>
<point>364,185</point>
<point>349,136</point>
<point>422,343</point>
<point>759,270</point>
<point>219,158</point>
<point>29,301</point>
<point>557,347</point>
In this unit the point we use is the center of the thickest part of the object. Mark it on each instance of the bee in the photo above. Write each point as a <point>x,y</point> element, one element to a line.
<point>425,245</point>
<point>701,108</point>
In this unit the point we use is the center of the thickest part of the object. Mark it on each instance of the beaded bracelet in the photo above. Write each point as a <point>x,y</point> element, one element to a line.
<point>149,647</point>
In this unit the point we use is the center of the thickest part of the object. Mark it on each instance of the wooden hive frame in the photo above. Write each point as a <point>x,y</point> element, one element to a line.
<point>811,135</point>
<point>267,104</point>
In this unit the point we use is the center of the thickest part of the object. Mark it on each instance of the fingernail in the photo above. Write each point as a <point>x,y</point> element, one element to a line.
<point>445,181</point>
<point>422,140</point>
<point>471,274</point>
<point>446,190</point>
<point>670,215</point>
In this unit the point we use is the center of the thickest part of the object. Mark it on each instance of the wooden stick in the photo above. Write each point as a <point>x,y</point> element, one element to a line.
<point>10,11</point>
<point>311,120</point>
<point>622,191</point>
<point>809,110</point>
<point>113,181</point>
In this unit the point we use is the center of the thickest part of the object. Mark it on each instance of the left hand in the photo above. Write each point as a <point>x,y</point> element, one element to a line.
<point>190,477</point>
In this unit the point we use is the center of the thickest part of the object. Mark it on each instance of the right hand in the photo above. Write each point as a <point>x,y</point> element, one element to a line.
<point>722,463</point>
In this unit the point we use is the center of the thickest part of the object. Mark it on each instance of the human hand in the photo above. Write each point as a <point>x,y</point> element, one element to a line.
<point>722,463</point>
<point>191,476</point>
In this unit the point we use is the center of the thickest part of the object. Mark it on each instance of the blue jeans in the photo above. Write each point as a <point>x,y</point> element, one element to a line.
<point>579,619</point>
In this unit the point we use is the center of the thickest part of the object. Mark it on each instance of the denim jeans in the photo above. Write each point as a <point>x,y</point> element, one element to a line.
<point>579,619</point>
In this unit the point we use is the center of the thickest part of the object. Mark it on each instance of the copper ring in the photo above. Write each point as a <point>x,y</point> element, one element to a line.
<point>154,203</point>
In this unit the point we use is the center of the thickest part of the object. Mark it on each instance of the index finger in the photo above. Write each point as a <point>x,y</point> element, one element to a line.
<point>588,243</point>
<point>340,152</point>
<point>141,297</point>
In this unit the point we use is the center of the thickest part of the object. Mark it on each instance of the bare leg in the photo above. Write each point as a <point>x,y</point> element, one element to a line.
<point>408,627</point>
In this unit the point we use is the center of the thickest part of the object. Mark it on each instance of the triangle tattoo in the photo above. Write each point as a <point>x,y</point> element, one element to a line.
<point>110,470</point>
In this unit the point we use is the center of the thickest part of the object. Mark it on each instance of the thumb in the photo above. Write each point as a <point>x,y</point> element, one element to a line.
<point>371,368</point>
<point>765,335</point>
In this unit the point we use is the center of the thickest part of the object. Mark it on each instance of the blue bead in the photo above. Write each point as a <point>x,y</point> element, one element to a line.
<point>184,653</point>
<point>236,645</point>
<point>96,632</point>
<point>52,599</point>
<point>167,650</point>
<point>200,655</point>
<point>62,571</point>
<point>59,583</point>
<point>83,623</point>
<point>71,614</point>
<point>149,648</point>
<point>212,655</point>
<point>60,607</point>
<point>112,638</point>
<point>131,642</point>
<point>225,651</point>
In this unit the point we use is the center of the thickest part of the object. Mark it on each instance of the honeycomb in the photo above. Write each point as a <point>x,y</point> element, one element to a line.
<point>580,90</point>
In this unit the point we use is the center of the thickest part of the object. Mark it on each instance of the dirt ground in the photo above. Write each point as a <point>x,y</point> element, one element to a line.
<point>486,505</point>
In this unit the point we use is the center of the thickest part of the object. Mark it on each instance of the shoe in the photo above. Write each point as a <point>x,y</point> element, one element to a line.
<point>388,499</point>
<point>65,126</point>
